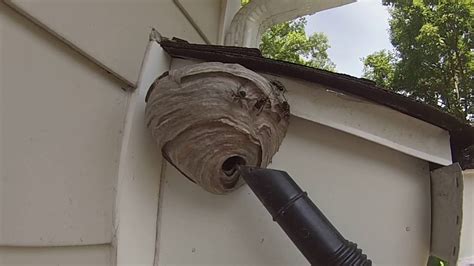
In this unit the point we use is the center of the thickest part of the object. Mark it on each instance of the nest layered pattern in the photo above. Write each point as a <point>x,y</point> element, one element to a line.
<point>200,115</point>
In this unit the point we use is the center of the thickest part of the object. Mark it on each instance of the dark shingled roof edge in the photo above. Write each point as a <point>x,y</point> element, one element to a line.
<point>462,134</point>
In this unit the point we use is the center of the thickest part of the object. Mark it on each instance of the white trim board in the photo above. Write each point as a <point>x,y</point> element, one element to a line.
<point>368,120</point>
<point>359,117</point>
<point>138,185</point>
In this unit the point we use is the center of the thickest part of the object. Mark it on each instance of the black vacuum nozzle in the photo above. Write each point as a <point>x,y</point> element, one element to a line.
<point>302,221</point>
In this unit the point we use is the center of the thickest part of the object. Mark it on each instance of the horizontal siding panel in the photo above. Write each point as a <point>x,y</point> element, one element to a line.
<point>61,120</point>
<point>113,32</point>
<point>98,255</point>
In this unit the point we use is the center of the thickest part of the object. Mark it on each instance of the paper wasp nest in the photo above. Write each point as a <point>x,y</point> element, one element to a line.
<point>207,117</point>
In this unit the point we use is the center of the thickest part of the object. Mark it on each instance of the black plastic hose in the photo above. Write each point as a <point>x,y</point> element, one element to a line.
<point>302,221</point>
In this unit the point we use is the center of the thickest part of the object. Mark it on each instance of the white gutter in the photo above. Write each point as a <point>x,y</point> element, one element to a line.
<point>257,16</point>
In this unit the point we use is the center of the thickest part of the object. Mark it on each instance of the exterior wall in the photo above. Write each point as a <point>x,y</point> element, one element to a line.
<point>62,121</point>
<point>79,173</point>
<point>92,26</point>
<point>78,255</point>
<point>375,196</point>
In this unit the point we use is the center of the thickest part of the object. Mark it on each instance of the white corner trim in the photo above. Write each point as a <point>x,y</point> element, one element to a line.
<point>258,15</point>
<point>140,164</point>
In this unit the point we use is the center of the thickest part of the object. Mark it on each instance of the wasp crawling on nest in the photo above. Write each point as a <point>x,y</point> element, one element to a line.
<point>216,114</point>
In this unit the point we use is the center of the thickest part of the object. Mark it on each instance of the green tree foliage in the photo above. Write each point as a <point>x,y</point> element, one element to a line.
<point>434,42</point>
<point>289,42</point>
<point>380,67</point>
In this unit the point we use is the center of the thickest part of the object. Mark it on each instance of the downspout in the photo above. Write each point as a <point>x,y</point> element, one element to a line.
<point>258,15</point>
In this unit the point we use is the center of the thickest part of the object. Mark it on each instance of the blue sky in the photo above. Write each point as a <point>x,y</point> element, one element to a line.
<point>354,31</point>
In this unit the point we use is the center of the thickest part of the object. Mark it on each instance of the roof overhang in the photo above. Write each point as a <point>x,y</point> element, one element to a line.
<point>405,125</point>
